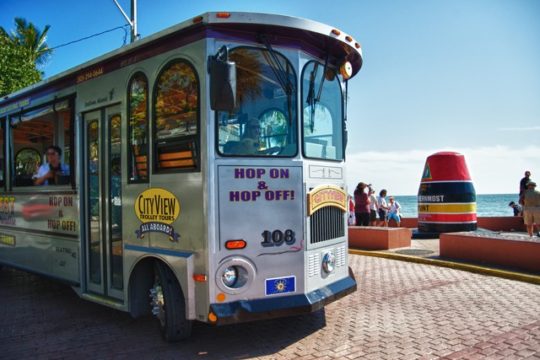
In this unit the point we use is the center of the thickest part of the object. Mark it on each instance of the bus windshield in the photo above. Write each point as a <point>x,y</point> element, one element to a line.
<point>264,121</point>
<point>322,113</point>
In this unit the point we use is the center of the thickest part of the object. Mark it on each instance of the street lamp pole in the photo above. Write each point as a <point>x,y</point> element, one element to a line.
<point>132,21</point>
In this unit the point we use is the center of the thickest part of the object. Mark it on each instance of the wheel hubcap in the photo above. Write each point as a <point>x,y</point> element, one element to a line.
<point>157,303</point>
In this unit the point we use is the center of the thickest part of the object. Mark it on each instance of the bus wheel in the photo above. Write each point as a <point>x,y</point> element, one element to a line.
<point>168,305</point>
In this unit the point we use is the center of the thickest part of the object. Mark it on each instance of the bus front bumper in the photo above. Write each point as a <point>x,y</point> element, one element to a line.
<point>260,309</point>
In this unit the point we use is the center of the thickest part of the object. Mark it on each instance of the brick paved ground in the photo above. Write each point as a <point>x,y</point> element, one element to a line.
<point>401,311</point>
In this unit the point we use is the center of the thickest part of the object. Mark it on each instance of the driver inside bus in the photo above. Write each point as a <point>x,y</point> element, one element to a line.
<point>251,140</point>
<point>53,172</point>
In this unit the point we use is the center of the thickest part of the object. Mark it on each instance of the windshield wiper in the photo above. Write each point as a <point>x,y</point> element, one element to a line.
<point>277,67</point>
<point>322,79</point>
<point>280,73</point>
<point>312,100</point>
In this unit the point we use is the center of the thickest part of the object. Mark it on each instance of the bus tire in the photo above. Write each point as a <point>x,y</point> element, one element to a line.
<point>168,305</point>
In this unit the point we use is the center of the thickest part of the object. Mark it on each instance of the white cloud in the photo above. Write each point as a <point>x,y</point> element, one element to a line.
<point>494,169</point>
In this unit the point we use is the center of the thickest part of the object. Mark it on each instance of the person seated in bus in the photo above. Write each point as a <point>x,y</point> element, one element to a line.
<point>251,140</point>
<point>53,172</point>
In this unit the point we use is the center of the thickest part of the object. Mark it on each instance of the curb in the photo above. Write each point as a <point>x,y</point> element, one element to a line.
<point>512,275</point>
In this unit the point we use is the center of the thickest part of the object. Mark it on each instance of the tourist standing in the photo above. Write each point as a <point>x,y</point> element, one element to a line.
<point>373,208</point>
<point>361,205</point>
<point>394,210</point>
<point>352,218</point>
<point>524,181</point>
<point>531,207</point>
<point>383,208</point>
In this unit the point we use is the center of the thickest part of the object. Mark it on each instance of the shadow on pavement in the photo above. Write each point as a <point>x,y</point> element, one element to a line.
<point>45,318</point>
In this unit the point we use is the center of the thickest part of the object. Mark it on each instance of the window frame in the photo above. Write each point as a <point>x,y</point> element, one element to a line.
<point>342,105</point>
<point>181,140</point>
<point>3,145</point>
<point>294,122</point>
<point>70,99</point>
<point>131,163</point>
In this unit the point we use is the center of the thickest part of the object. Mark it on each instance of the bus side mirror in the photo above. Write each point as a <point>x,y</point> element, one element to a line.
<point>222,81</point>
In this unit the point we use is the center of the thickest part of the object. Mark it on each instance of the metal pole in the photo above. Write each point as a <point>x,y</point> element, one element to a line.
<point>131,21</point>
<point>134,33</point>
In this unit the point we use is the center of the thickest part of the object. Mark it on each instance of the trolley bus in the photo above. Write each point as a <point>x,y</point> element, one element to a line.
<point>203,172</point>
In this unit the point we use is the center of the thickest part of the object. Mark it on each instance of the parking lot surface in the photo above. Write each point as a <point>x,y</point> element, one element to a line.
<point>401,310</point>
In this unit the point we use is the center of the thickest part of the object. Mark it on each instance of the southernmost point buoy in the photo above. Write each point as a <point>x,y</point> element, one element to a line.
<point>446,197</point>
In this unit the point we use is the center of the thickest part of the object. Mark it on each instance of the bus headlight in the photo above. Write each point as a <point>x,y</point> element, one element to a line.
<point>235,275</point>
<point>230,276</point>
<point>329,262</point>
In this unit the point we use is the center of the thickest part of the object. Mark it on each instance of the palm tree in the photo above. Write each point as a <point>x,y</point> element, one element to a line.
<point>31,38</point>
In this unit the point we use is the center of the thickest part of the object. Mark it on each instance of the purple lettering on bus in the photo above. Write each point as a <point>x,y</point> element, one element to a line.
<point>250,173</point>
<point>279,173</point>
<point>238,173</point>
<point>234,196</point>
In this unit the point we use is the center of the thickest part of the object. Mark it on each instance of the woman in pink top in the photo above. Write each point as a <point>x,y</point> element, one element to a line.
<point>361,205</point>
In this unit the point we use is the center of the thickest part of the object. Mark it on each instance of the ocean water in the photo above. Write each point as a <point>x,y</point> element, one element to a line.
<point>486,205</point>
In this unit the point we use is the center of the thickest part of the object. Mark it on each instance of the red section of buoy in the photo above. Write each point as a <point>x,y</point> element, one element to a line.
<point>445,166</point>
<point>446,198</point>
<point>448,218</point>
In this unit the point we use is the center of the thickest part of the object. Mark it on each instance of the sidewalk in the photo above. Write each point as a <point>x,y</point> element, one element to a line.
<point>426,251</point>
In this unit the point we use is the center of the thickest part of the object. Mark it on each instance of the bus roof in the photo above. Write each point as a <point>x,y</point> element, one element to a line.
<point>313,37</point>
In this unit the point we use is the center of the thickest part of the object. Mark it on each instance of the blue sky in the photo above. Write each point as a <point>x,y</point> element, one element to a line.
<point>461,75</point>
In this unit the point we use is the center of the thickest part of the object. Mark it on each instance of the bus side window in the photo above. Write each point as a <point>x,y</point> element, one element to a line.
<point>138,128</point>
<point>176,118</point>
<point>2,157</point>
<point>33,132</point>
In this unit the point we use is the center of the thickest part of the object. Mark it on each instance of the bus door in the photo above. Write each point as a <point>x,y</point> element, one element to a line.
<point>103,201</point>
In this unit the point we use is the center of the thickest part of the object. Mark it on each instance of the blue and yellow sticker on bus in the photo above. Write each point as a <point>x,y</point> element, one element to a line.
<point>280,285</point>
<point>157,209</point>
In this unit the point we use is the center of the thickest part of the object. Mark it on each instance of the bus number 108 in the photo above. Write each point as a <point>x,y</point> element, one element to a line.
<point>278,237</point>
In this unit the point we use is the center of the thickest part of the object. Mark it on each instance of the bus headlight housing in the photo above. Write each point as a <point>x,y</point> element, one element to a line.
<point>329,262</point>
<point>235,275</point>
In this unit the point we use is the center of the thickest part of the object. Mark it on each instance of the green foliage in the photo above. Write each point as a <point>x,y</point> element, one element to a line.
<point>16,68</point>
<point>32,39</point>
<point>20,54</point>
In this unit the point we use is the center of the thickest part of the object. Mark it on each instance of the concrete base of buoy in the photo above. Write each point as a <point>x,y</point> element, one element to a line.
<point>424,235</point>
<point>446,227</point>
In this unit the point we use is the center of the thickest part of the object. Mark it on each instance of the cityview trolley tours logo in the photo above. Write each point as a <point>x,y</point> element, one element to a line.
<point>157,209</point>
<point>326,195</point>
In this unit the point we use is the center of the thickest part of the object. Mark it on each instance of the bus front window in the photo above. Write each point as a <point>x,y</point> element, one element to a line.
<point>322,113</point>
<point>264,121</point>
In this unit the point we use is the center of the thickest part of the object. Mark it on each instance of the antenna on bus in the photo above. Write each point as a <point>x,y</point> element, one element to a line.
<point>131,21</point>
